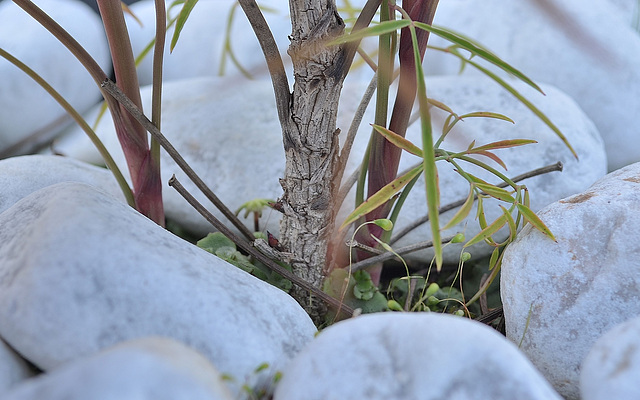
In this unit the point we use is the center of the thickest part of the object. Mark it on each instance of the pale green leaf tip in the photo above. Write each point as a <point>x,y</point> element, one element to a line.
<point>384,223</point>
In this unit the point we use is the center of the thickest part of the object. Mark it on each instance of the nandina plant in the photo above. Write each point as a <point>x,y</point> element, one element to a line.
<point>322,55</point>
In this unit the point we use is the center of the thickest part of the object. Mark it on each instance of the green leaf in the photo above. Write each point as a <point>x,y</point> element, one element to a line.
<point>462,212</point>
<point>534,220</point>
<point>214,241</point>
<point>487,114</point>
<point>502,144</point>
<point>182,19</point>
<point>488,231</point>
<point>428,155</point>
<point>496,192</point>
<point>513,230</point>
<point>381,197</point>
<point>376,30</point>
<point>384,223</point>
<point>476,49</point>
<point>398,140</point>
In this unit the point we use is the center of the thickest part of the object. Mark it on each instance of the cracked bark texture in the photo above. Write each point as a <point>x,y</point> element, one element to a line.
<point>311,143</point>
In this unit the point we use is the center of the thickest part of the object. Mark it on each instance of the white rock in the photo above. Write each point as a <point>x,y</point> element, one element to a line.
<point>28,115</point>
<point>561,297</point>
<point>150,368</point>
<point>470,94</point>
<point>80,271</point>
<point>13,368</point>
<point>629,9</point>
<point>199,51</point>
<point>576,56</point>
<point>21,176</point>
<point>612,366</point>
<point>411,356</point>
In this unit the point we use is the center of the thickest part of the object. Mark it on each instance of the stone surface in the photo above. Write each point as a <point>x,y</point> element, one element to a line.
<point>612,366</point>
<point>151,368</point>
<point>629,10</point>
<point>21,176</point>
<point>28,115</point>
<point>80,271</point>
<point>559,298</point>
<point>199,51</point>
<point>470,94</point>
<point>13,368</point>
<point>411,356</point>
<point>576,56</point>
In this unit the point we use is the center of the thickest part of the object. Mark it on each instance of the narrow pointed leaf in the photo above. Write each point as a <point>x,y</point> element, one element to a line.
<point>487,114</point>
<point>398,140</point>
<point>487,232</point>
<point>513,230</point>
<point>428,155</point>
<point>493,157</point>
<point>534,220</point>
<point>504,144</point>
<point>462,212</point>
<point>442,106</point>
<point>182,19</point>
<point>496,192</point>
<point>381,197</point>
<point>376,30</point>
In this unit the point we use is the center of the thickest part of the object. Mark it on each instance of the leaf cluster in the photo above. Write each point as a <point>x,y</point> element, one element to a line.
<point>221,246</point>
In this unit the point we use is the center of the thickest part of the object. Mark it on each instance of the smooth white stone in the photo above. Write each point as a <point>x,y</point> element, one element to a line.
<point>411,356</point>
<point>561,297</point>
<point>13,368</point>
<point>629,10</point>
<point>612,366</point>
<point>151,368</point>
<point>28,114</point>
<point>80,271</point>
<point>21,176</point>
<point>470,94</point>
<point>594,58</point>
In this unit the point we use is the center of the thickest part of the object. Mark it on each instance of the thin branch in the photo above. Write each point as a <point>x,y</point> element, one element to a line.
<point>389,255</point>
<point>349,49</point>
<point>272,56</point>
<point>117,94</point>
<point>353,130</point>
<point>539,171</point>
<point>250,249</point>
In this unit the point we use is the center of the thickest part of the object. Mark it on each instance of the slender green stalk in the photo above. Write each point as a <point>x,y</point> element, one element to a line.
<point>122,182</point>
<point>143,165</point>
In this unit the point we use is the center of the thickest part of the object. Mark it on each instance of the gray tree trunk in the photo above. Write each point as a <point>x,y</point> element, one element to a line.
<point>311,143</point>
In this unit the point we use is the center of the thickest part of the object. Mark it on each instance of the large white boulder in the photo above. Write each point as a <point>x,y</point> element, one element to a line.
<point>565,43</point>
<point>612,366</point>
<point>410,357</point>
<point>80,271</point>
<point>559,298</point>
<point>28,115</point>
<point>13,368</point>
<point>23,175</point>
<point>151,368</point>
